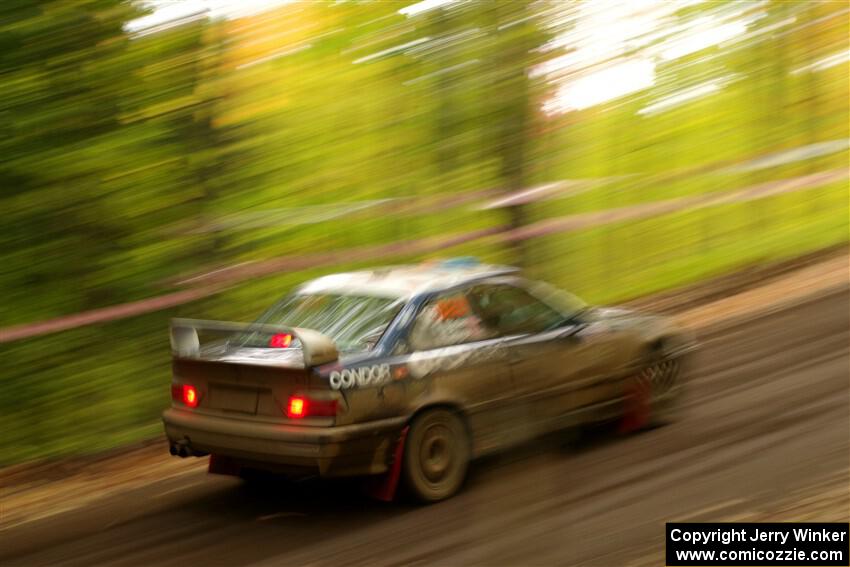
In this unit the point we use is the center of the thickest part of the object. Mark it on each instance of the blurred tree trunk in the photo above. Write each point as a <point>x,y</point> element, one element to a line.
<point>446,156</point>
<point>515,35</point>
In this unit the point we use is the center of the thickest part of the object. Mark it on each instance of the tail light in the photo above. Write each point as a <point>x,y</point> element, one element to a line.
<point>185,394</point>
<point>280,340</point>
<point>301,406</point>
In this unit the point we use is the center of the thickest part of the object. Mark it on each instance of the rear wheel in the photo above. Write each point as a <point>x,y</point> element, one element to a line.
<point>436,455</point>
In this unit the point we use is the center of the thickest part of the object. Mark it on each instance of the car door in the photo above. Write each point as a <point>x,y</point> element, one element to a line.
<point>556,362</point>
<point>456,358</point>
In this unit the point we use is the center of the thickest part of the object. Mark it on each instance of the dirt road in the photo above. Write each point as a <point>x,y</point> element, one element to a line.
<point>767,418</point>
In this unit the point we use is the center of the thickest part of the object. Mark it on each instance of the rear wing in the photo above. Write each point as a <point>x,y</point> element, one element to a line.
<point>316,348</point>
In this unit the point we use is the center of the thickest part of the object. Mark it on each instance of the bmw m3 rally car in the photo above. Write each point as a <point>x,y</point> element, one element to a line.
<point>412,371</point>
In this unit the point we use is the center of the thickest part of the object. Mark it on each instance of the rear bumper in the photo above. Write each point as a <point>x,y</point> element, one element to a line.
<point>329,451</point>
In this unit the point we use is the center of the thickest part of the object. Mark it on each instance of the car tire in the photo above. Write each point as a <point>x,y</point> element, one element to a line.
<point>436,455</point>
<point>668,412</point>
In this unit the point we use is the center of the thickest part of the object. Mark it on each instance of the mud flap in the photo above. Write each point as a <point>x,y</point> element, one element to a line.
<point>223,465</point>
<point>638,404</point>
<point>383,487</point>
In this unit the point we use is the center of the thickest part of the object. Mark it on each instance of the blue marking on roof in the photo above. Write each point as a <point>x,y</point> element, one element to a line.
<point>461,262</point>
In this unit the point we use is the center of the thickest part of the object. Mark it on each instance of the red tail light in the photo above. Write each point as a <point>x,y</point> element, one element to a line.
<point>301,406</point>
<point>280,340</point>
<point>190,396</point>
<point>185,394</point>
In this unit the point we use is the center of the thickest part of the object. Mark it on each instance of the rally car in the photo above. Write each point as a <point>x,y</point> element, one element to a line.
<point>411,371</point>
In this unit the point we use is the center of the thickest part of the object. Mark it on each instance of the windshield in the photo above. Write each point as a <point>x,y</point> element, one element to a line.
<point>354,322</point>
<point>568,304</point>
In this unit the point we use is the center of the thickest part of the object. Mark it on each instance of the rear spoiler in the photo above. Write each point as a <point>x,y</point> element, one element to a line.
<point>316,348</point>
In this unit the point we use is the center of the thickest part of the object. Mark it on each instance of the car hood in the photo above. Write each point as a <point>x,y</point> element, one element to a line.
<point>621,319</point>
<point>620,316</point>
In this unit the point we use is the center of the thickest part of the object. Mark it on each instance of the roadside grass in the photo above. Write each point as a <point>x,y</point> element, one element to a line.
<point>639,189</point>
<point>620,262</point>
<point>94,388</point>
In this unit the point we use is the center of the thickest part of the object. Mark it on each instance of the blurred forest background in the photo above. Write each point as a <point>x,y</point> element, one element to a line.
<point>613,148</point>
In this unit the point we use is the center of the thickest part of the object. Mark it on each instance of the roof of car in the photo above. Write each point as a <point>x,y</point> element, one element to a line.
<point>404,281</point>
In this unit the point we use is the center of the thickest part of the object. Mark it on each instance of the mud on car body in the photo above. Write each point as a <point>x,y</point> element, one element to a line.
<point>412,370</point>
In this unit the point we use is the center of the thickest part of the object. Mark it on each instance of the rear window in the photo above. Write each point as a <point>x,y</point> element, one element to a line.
<point>354,322</point>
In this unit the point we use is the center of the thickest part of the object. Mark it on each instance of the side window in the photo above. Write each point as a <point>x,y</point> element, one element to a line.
<point>512,310</point>
<point>447,320</point>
